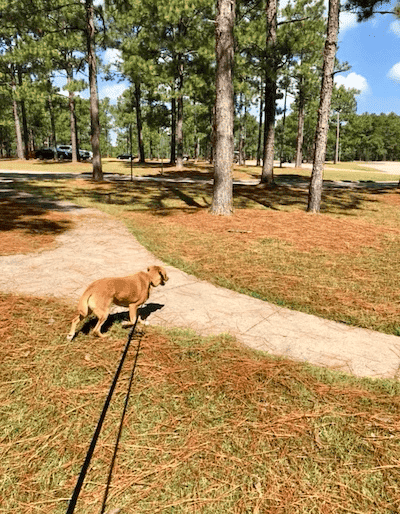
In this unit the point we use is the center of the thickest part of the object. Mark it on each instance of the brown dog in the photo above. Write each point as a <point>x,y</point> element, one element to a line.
<point>131,291</point>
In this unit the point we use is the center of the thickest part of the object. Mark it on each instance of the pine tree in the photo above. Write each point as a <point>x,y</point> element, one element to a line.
<point>222,201</point>
<point>321,134</point>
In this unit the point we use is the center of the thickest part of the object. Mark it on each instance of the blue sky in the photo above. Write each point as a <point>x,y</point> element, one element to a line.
<point>372,49</point>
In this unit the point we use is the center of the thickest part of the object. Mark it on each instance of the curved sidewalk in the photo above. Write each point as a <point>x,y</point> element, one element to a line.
<point>101,246</point>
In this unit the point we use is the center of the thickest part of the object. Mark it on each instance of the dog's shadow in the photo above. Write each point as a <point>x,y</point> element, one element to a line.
<point>118,317</point>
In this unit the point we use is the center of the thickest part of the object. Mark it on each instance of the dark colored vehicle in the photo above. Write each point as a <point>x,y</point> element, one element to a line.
<point>45,153</point>
<point>64,152</point>
<point>125,156</point>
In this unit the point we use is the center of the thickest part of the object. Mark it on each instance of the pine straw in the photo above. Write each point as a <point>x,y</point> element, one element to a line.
<point>296,228</point>
<point>211,427</point>
<point>346,270</point>
<point>28,227</point>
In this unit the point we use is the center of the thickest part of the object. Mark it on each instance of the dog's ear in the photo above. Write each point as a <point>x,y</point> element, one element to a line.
<point>163,275</point>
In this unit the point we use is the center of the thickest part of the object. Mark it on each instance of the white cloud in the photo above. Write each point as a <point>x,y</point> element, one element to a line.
<point>395,27</point>
<point>353,80</point>
<point>347,20</point>
<point>394,72</point>
<point>112,91</point>
<point>112,56</point>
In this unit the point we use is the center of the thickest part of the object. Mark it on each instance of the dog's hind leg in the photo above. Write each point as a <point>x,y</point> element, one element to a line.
<point>78,318</point>
<point>102,318</point>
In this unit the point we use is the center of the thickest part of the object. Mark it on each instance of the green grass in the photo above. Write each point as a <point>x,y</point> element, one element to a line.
<point>211,427</point>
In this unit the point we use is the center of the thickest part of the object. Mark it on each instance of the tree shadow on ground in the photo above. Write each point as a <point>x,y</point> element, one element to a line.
<point>290,191</point>
<point>33,216</point>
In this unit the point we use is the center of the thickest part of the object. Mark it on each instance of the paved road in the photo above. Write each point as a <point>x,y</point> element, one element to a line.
<point>101,246</point>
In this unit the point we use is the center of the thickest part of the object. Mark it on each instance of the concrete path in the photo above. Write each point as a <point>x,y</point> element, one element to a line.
<point>101,246</point>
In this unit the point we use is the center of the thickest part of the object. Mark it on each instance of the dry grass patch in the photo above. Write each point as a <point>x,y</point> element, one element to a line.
<point>303,231</point>
<point>333,267</point>
<point>342,264</point>
<point>211,427</point>
<point>28,227</point>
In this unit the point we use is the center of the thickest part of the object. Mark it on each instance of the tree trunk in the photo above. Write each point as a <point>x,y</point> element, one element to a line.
<point>241,132</point>
<point>222,201</point>
<point>94,100</point>
<point>321,133</point>
<point>267,174</point>
<point>18,134</point>
<point>53,140</point>
<point>179,121</point>
<point>300,127</point>
<point>17,123</point>
<point>139,123</point>
<point>337,138</point>
<point>25,132</point>
<point>281,156</point>
<point>72,117</point>
<point>260,124</point>
<point>173,131</point>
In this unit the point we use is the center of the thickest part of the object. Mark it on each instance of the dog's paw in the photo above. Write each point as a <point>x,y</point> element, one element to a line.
<point>126,324</point>
<point>70,337</point>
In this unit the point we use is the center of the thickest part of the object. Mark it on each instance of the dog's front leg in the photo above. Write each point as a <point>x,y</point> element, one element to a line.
<point>133,308</point>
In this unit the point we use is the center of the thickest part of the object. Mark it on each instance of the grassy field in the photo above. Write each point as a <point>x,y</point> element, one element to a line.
<point>212,428</point>
<point>342,264</point>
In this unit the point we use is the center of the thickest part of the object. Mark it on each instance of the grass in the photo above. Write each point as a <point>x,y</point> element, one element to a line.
<point>211,428</point>
<point>27,228</point>
<point>342,264</point>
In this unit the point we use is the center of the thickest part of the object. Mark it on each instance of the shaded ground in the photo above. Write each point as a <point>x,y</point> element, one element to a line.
<point>27,226</point>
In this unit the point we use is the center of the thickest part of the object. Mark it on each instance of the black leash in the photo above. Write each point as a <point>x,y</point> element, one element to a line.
<point>128,393</point>
<point>85,466</point>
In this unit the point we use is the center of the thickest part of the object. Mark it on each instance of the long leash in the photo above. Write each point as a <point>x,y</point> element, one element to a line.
<point>85,466</point>
<point>128,393</point>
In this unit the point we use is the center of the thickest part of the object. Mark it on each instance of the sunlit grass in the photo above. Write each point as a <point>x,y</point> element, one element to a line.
<point>342,264</point>
<point>211,427</point>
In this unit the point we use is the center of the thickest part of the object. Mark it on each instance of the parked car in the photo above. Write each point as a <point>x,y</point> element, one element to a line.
<point>64,152</point>
<point>125,156</point>
<point>45,153</point>
<point>85,155</point>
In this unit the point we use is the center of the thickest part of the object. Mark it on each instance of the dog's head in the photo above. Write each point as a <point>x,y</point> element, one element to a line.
<point>158,275</point>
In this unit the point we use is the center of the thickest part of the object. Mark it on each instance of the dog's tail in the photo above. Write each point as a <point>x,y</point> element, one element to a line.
<point>83,305</point>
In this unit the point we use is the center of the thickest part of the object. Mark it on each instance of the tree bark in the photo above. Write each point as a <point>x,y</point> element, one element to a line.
<point>260,124</point>
<point>337,138</point>
<point>300,126</point>
<point>72,117</point>
<point>173,131</point>
<point>267,174</point>
<point>222,201</point>
<point>25,132</point>
<point>321,133</point>
<point>94,100</point>
<point>179,121</point>
<point>18,134</point>
<point>139,123</point>
<point>53,141</point>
